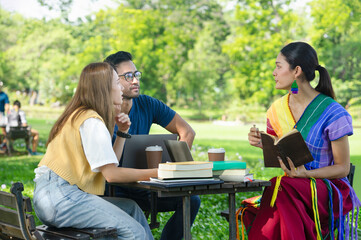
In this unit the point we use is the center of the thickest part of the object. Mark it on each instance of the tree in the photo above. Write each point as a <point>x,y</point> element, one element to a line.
<point>260,29</point>
<point>201,79</point>
<point>336,37</point>
<point>160,37</point>
<point>41,58</point>
<point>62,6</point>
<point>10,30</point>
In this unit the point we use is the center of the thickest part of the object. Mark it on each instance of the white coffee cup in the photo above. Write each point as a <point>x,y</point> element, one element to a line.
<point>154,156</point>
<point>216,154</point>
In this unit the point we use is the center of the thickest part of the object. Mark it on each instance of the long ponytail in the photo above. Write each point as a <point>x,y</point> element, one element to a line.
<point>324,84</point>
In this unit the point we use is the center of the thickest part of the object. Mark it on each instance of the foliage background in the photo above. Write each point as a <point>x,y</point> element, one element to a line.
<point>203,55</point>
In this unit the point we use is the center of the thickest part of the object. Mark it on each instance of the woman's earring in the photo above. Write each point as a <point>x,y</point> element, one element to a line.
<point>294,87</point>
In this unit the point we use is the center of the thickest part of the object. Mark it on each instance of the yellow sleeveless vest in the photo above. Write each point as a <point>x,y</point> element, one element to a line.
<point>65,156</point>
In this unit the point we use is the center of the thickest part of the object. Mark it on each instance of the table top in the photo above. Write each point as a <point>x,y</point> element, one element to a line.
<point>226,187</point>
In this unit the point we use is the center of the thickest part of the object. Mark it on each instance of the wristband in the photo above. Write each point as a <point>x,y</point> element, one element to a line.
<point>123,134</point>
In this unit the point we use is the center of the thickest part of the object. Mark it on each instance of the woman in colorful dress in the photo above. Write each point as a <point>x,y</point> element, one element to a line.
<point>308,200</point>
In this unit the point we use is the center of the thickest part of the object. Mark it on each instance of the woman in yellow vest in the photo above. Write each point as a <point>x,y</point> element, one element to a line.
<point>80,157</point>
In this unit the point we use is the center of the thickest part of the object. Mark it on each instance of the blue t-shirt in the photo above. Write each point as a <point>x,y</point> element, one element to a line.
<point>3,100</point>
<point>145,111</point>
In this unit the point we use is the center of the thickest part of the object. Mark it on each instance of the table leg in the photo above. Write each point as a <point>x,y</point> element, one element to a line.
<point>154,211</point>
<point>111,190</point>
<point>232,215</point>
<point>187,218</point>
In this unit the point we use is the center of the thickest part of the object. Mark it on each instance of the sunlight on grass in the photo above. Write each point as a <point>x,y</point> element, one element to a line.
<point>233,138</point>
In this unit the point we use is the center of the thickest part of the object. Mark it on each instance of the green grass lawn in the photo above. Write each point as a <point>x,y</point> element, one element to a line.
<point>233,138</point>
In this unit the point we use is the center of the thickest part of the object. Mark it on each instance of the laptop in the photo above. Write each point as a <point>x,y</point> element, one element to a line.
<point>134,149</point>
<point>178,151</point>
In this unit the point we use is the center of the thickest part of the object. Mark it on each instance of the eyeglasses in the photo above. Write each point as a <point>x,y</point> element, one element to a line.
<point>129,76</point>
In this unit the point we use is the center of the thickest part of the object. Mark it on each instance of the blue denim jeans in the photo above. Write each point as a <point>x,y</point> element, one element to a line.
<point>173,230</point>
<point>59,204</point>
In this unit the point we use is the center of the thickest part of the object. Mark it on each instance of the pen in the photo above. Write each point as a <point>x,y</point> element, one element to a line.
<point>257,131</point>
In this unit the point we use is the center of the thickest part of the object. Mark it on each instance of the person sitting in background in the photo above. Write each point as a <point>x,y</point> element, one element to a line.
<point>16,118</point>
<point>307,201</point>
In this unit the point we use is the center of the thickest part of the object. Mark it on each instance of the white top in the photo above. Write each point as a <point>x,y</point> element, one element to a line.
<point>97,146</point>
<point>13,118</point>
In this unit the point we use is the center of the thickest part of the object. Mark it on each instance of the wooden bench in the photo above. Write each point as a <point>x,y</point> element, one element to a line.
<point>14,133</point>
<point>17,222</point>
<point>350,176</point>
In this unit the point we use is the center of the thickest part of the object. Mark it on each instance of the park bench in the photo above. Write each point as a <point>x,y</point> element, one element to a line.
<point>350,177</point>
<point>17,222</point>
<point>13,133</point>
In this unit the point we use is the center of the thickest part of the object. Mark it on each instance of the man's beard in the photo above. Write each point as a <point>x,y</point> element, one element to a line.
<point>128,97</point>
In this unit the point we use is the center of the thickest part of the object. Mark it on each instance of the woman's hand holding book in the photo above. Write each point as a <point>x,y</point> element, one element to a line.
<point>293,172</point>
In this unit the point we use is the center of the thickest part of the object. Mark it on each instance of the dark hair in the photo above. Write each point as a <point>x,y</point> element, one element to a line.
<point>118,57</point>
<point>303,55</point>
<point>17,103</point>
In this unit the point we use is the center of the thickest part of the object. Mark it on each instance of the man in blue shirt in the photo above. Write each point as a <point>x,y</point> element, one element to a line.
<point>143,111</point>
<point>4,101</point>
<point>4,109</point>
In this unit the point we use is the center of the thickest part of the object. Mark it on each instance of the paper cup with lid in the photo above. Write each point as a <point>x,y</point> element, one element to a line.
<point>216,154</point>
<point>154,155</point>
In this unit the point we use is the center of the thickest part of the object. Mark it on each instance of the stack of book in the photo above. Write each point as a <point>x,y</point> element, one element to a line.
<point>192,169</point>
<point>233,171</point>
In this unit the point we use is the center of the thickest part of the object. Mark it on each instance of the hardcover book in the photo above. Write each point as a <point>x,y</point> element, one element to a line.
<point>199,173</point>
<point>185,165</point>
<point>290,145</point>
<point>231,172</point>
<point>234,175</point>
<point>185,170</point>
<point>224,165</point>
<point>236,178</point>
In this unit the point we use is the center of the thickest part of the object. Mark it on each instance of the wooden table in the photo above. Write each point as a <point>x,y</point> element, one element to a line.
<point>185,192</point>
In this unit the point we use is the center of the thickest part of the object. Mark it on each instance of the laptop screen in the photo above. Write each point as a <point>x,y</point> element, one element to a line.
<point>134,149</point>
<point>178,151</point>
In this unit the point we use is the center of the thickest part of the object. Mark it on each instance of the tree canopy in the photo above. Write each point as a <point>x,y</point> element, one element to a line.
<point>203,55</point>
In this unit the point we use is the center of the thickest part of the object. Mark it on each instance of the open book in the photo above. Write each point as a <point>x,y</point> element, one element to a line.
<point>290,145</point>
